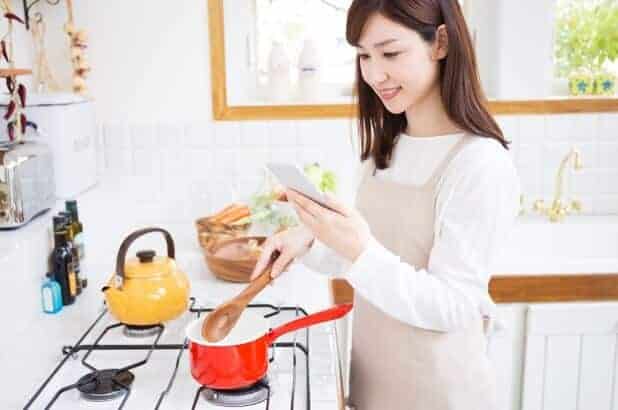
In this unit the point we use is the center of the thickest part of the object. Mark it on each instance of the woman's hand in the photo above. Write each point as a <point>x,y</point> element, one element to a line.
<point>345,231</point>
<point>291,244</point>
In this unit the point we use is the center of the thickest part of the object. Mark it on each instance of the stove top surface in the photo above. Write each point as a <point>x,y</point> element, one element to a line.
<point>116,366</point>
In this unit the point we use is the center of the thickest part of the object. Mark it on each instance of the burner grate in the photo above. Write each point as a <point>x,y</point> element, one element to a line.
<point>255,394</point>
<point>98,385</point>
<point>140,331</point>
<point>104,385</point>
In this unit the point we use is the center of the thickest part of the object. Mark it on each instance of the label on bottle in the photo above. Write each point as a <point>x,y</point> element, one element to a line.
<point>72,283</point>
<point>48,300</point>
<point>79,244</point>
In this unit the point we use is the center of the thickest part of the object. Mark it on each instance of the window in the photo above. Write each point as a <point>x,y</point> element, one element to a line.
<point>286,27</point>
<point>586,44</point>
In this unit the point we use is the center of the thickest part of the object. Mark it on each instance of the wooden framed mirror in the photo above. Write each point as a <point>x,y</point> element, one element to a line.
<point>238,92</point>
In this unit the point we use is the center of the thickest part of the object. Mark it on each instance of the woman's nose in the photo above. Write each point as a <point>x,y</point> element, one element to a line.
<point>374,74</point>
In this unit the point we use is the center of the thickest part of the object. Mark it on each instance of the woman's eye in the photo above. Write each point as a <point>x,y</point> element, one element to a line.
<point>391,55</point>
<point>363,56</point>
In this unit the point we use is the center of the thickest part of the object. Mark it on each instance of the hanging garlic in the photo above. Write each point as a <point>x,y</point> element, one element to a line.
<point>78,42</point>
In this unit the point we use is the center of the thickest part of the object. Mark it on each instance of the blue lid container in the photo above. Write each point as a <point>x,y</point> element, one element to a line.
<point>51,296</point>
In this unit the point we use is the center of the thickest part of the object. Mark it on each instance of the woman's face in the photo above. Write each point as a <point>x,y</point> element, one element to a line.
<point>397,63</point>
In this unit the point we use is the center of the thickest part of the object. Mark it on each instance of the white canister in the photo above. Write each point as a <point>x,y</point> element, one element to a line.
<point>66,123</point>
<point>279,81</point>
<point>309,58</point>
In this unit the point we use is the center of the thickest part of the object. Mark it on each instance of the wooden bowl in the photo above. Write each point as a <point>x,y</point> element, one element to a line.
<point>209,233</point>
<point>232,260</point>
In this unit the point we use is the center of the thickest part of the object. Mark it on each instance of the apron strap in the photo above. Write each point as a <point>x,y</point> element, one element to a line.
<point>443,165</point>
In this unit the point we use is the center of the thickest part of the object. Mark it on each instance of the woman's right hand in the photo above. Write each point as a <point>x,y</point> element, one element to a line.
<point>291,244</point>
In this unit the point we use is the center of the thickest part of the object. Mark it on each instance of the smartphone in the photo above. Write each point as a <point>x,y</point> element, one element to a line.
<point>292,177</point>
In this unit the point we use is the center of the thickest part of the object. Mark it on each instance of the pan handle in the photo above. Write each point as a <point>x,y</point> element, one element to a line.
<point>313,319</point>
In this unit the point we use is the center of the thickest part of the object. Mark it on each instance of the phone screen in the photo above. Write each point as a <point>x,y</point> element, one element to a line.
<point>292,177</point>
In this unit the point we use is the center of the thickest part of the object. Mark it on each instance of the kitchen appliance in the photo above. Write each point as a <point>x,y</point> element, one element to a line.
<point>66,123</point>
<point>240,360</point>
<point>147,290</point>
<point>26,182</point>
<point>153,374</point>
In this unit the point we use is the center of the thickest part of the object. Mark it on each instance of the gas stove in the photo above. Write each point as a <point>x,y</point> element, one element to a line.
<point>114,366</point>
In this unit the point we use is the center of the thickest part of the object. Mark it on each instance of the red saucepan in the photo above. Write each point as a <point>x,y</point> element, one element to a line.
<point>241,358</point>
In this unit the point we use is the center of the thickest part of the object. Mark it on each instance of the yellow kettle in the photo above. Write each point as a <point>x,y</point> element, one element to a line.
<point>149,289</point>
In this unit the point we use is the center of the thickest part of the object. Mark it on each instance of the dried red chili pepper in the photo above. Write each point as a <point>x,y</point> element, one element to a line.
<point>10,84</point>
<point>21,90</point>
<point>4,53</point>
<point>24,122</point>
<point>11,130</point>
<point>12,16</point>
<point>10,109</point>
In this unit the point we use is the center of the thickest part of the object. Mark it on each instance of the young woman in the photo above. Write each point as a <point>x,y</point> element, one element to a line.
<point>437,196</point>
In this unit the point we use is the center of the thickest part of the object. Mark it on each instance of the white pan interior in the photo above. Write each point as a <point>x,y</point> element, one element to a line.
<point>250,326</point>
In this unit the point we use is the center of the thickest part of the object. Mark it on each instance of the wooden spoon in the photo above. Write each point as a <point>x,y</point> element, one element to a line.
<point>220,321</point>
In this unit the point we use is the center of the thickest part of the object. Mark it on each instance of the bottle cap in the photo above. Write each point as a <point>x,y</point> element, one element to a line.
<point>59,222</point>
<point>71,206</point>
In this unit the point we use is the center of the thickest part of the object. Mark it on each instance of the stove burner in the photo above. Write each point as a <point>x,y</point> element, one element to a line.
<point>140,331</point>
<point>248,396</point>
<point>104,385</point>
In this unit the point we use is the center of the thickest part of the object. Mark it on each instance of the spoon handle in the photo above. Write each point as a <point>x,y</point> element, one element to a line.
<point>259,283</point>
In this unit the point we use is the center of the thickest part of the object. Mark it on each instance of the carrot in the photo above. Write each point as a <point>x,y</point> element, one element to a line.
<point>236,214</point>
<point>222,213</point>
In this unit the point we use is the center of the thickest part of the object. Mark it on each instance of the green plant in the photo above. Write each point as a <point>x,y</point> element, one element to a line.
<point>264,205</point>
<point>586,35</point>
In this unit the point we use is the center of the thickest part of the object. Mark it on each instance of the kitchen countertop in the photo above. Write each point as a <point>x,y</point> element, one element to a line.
<point>579,244</point>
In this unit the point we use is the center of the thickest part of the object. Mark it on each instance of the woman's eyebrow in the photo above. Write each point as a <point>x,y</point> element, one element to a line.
<point>381,43</point>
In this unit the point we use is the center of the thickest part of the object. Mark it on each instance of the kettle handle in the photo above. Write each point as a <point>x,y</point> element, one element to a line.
<point>124,247</point>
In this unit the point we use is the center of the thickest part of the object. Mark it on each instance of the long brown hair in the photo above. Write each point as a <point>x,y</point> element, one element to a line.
<point>460,88</point>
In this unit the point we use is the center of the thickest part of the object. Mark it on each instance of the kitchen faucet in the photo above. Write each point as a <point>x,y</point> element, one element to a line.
<point>558,210</point>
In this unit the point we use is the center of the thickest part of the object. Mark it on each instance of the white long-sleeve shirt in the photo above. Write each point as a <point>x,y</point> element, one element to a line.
<point>476,206</point>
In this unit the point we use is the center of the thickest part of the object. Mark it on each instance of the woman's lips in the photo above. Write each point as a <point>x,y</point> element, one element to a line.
<point>389,93</point>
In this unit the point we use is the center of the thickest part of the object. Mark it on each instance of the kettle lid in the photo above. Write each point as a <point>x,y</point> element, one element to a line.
<point>147,264</point>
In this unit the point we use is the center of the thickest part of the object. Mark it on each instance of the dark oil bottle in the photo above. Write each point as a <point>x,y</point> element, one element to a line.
<point>70,237</point>
<point>62,263</point>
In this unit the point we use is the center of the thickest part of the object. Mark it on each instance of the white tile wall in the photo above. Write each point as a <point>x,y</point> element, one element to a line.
<point>183,171</point>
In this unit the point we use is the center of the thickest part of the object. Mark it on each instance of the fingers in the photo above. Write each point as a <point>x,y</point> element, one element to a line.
<point>337,205</point>
<point>310,207</point>
<point>307,219</point>
<point>281,264</point>
<point>283,259</point>
<point>267,250</point>
<point>281,196</point>
<point>319,211</point>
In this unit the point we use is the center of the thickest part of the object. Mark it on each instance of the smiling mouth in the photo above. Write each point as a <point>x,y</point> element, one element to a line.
<point>389,93</point>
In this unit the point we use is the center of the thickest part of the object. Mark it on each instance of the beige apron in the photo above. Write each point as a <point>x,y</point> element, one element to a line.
<point>395,365</point>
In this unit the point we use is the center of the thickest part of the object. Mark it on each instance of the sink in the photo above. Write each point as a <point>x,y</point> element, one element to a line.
<point>579,244</point>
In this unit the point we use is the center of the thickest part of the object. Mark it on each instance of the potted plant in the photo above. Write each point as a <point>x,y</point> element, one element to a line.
<point>586,42</point>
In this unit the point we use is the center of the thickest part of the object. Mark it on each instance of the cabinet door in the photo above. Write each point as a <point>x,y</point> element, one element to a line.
<point>503,353</point>
<point>570,357</point>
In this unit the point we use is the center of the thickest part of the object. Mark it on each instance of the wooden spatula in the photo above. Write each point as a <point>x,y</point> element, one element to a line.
<point>220,321</point>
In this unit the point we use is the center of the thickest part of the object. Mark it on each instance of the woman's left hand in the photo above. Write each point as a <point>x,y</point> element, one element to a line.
<point>344,231</point>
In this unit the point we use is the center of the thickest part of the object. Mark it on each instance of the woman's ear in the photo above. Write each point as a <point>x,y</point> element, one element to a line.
<point>440,46</point>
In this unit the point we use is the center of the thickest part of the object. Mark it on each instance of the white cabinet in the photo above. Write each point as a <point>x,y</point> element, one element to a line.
<point>570,357</point>
<point>505,350</point>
